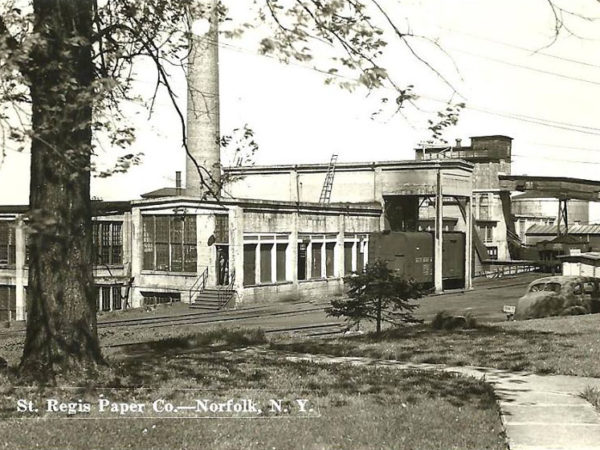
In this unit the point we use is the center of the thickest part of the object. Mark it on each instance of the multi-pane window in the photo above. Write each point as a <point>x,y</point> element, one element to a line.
<point>265,258</point>
<point>108,298</point>
<point>221,229</point>
<point>7,243</point>
<point>105,292</point>
<point>169,243</point>
<point>355,253</point>
<point>108,242</point>
<point>484,207</point>
<point>486,232</point>
<point>492,252</point>
<point>320,257</point>
<point>8,303</point>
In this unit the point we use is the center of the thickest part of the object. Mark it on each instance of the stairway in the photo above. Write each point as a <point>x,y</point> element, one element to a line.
<point>212,299</point>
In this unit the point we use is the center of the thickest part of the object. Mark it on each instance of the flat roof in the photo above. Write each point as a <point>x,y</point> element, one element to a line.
<point>410,164</point>
<point>119,206</point>
<point>371,207</point>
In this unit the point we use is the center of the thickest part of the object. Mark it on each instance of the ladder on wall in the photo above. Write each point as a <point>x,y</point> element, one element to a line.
<point>325,196</point>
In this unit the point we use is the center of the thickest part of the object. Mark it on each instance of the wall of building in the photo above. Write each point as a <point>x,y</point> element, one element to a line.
<point>290,227</point>
<point>353,183</point>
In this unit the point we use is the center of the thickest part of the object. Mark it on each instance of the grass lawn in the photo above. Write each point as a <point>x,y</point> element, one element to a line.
<point>560,345</point>
<point>357,407</point>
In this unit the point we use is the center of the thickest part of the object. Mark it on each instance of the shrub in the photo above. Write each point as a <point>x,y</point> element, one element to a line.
<point>376,294</point>
<point>443,320</point>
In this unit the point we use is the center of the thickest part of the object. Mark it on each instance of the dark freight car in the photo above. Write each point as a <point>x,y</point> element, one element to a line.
<point>411,255</point>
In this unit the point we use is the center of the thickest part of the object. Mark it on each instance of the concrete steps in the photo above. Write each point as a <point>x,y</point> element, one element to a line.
<point>212,299</point>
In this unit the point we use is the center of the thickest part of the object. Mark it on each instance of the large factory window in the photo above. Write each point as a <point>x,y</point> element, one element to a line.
<point>322,250</point>
<point>170,243</point>
<point>265,258</point>
<point>7,243</point>
<point>108,242</point>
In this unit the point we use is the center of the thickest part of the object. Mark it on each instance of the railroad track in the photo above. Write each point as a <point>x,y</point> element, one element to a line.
<point>209,317</point>
<point>318,330</point>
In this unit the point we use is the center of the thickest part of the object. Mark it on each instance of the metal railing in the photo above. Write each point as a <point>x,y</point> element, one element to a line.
<point>198,286</point>
<point>226,293</point>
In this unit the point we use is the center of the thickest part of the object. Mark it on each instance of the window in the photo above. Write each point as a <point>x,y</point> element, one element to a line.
<point>7,243</point>
<point>486,232</point>
<point>265,258</point>
<point>281,266</point>
<point>317,250</point>
<point>249,264</point>
<point>105,292</point>
<point>492,252</point>
<point>484,207</point>
<point>170,243</point>
<point>221,229</point>
<point>355,253</point>
<point>548,287</point>
<point>329,258</point>
<point>348,258</point>
<point>265,263</point>
<point>116,298</point>
<point>321,252</point>
<point>108,242</point>
<point>157,298</point>
<point>302,252</point>
<point>8,303</point>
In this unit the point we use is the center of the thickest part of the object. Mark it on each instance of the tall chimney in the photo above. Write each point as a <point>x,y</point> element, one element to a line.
<point>178,182</point>
<point>203,133</point>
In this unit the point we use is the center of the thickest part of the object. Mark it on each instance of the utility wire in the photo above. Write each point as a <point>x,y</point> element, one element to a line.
<point>528,50</point>
<point>533,69</point>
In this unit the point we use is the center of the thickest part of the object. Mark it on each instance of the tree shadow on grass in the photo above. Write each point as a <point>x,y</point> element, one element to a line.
<point>485,346</point>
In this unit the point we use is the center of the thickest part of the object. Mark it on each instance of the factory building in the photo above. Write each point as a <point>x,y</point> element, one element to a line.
<point>282,231</point>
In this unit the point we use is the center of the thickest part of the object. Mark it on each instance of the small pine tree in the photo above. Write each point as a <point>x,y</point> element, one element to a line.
<point>376,294</point>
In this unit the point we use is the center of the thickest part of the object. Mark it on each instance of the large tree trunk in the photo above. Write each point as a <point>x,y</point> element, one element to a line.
<point>61,312</point>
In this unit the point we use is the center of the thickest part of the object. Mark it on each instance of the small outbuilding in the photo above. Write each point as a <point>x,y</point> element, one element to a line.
<point>581,264</point>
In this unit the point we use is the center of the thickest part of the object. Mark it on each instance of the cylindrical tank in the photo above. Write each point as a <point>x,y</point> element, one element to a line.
<point>578,210</point>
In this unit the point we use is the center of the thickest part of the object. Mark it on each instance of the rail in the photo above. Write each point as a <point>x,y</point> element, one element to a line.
<point>198,286</point>
<point>226,293</point>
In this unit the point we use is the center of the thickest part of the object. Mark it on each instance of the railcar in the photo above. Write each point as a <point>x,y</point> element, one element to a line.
<point>411,255</point>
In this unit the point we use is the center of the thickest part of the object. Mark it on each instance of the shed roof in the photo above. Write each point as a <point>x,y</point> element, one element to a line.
<point>573,229</point>
<point>595,256</point>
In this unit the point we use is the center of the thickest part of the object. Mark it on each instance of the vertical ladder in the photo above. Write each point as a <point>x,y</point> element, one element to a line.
<point>325,196</point>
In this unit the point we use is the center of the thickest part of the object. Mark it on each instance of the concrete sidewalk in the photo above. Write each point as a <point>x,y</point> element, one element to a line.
<point>538,411</point>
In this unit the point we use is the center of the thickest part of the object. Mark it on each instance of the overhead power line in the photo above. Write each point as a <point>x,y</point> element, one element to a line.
<point>524,49</point>
<point>533,69</point>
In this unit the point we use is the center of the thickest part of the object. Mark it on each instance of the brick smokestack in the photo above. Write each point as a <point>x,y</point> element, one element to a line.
<point>203,133</point>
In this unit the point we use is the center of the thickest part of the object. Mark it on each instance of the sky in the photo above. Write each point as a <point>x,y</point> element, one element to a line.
<point>497,57</point>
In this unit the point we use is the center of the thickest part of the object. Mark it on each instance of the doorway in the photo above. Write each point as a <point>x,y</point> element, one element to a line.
<point>222,265</point>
